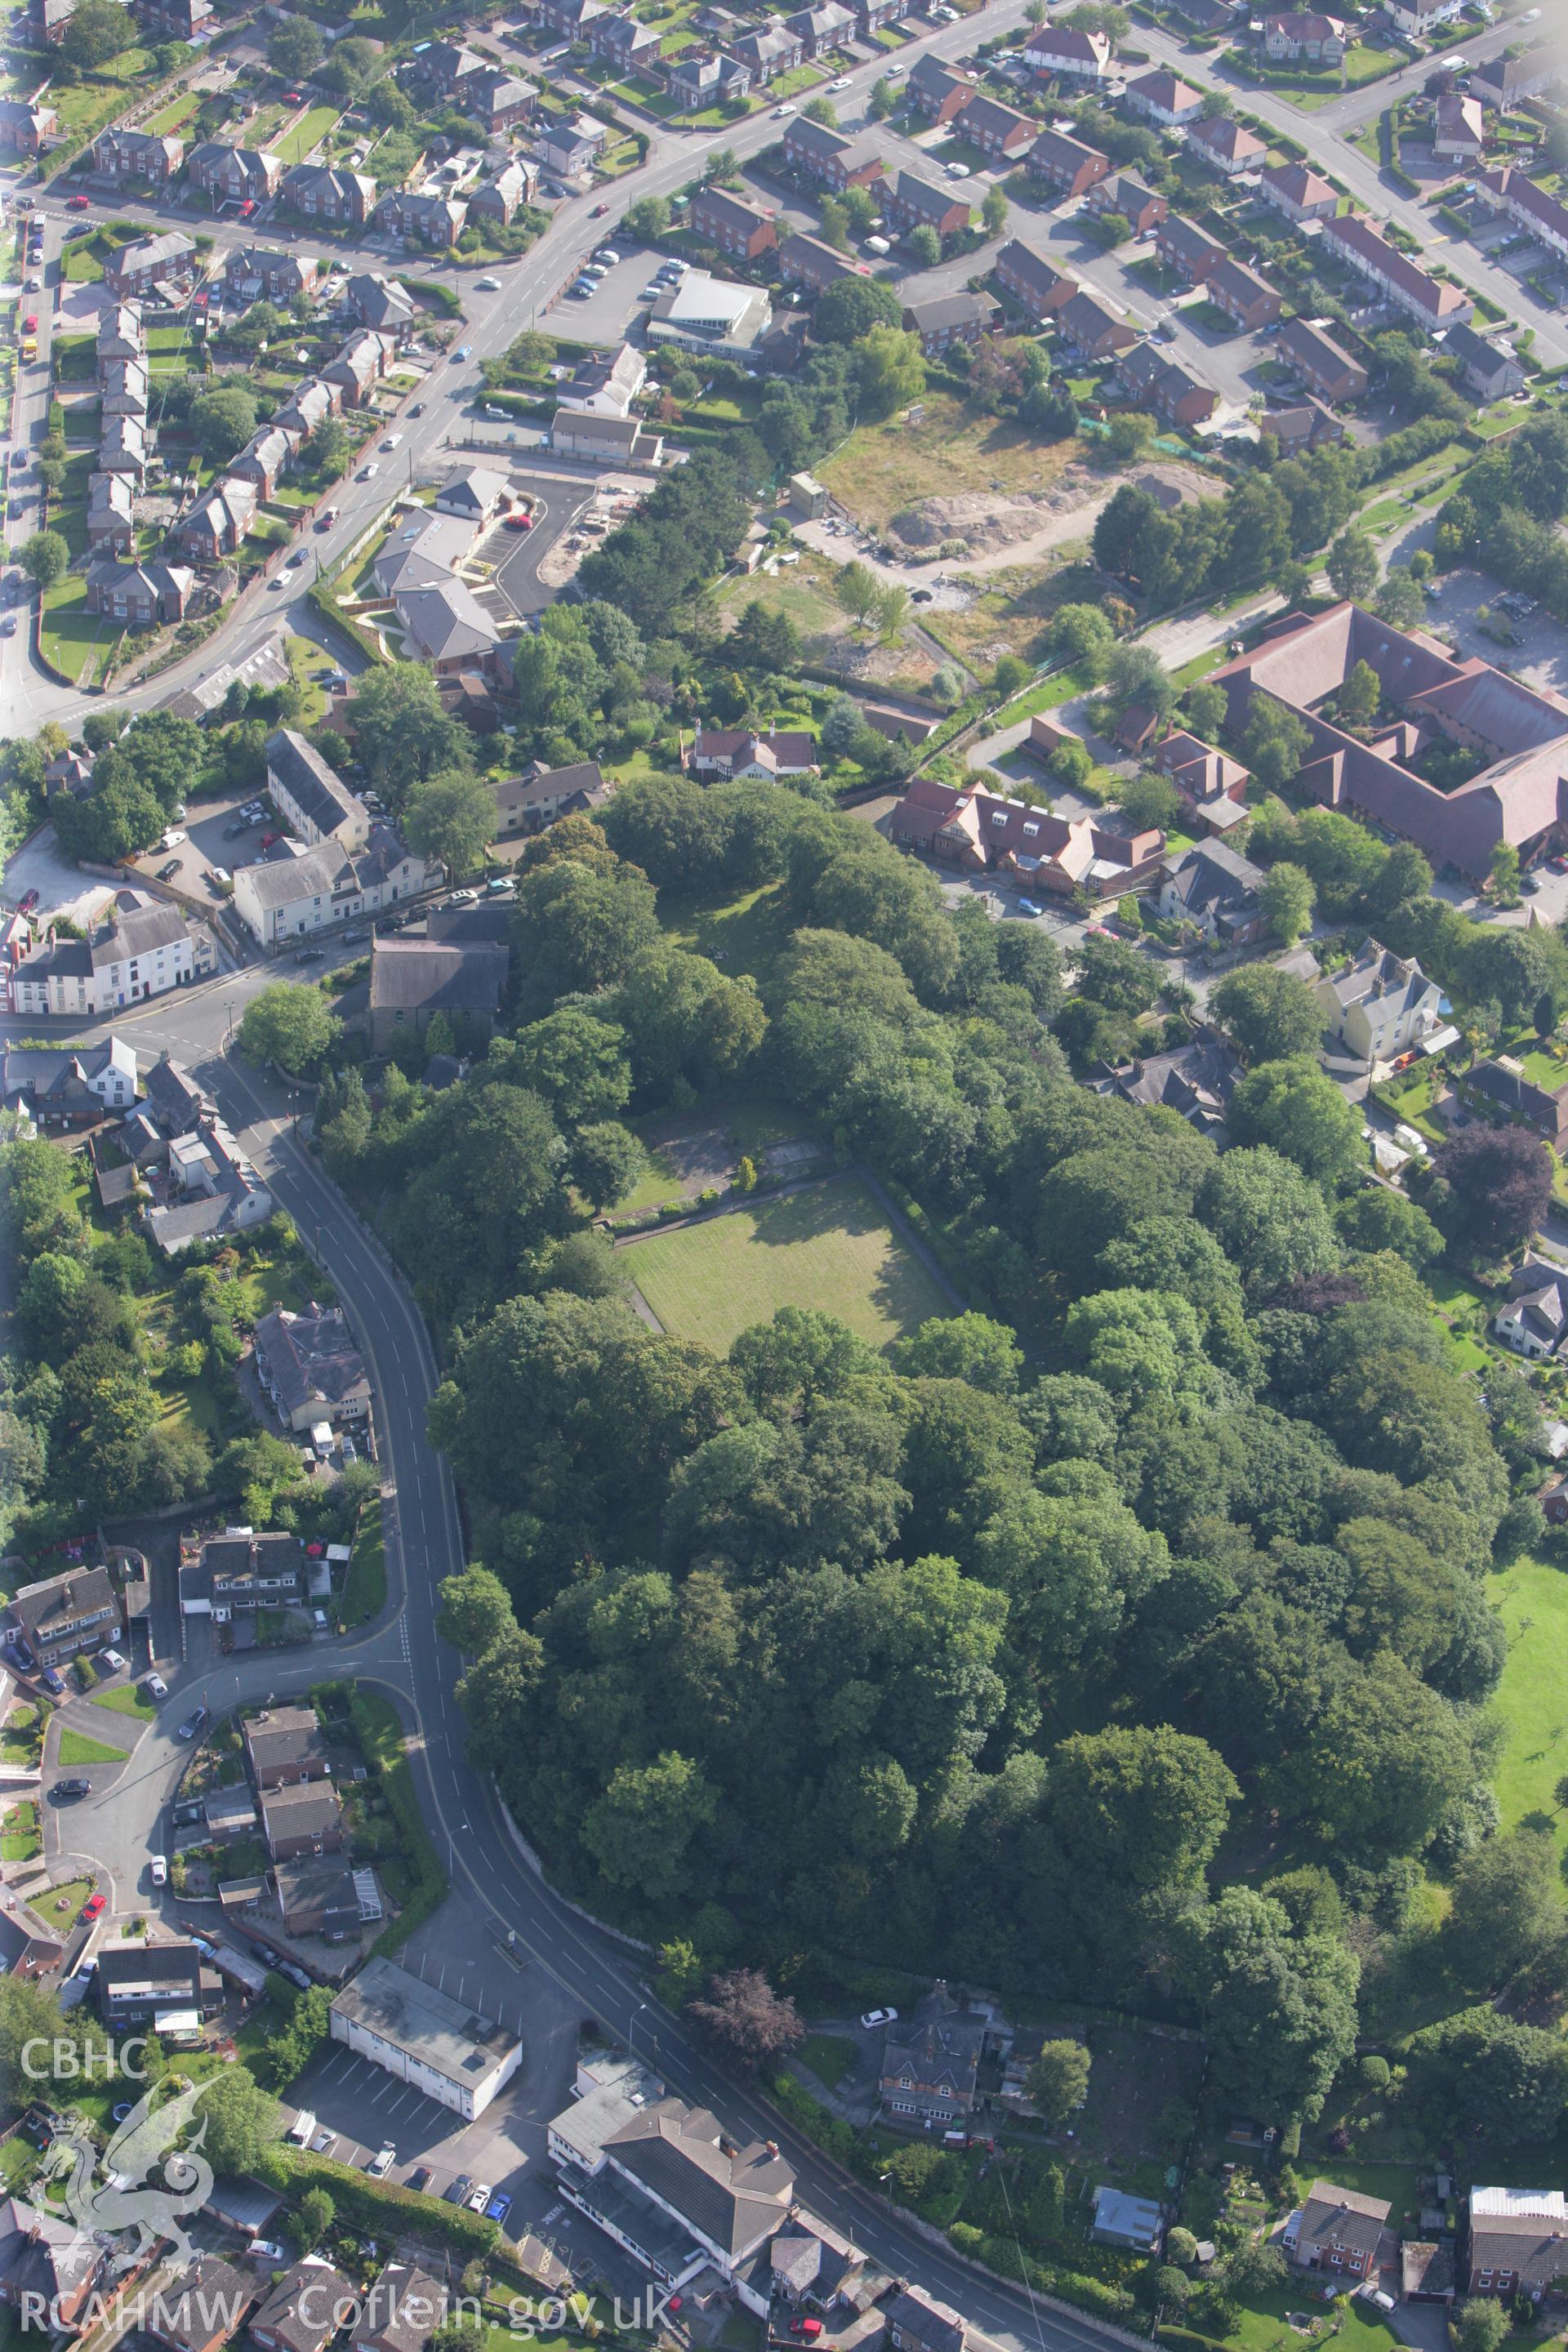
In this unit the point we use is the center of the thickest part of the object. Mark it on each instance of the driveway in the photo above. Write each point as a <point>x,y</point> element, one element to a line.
<point>517,555</point>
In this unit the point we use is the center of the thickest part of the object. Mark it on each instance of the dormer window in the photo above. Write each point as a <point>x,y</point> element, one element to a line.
<point>998,818</point>
<point>1030,831</point>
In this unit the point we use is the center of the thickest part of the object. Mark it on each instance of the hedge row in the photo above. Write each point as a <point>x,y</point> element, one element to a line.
<point>440,297</point>
<point>379,2207</point>
<point>380,1734</point>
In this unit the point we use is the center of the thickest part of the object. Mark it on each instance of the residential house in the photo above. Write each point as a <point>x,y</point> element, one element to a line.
<point>359,367</point>
<point>346,199</point>
<point>830,157</point>
<point>445,624</point>
<point>822,27</point>
<point>930,2065</point>
<point>215,525</point>
<point>70,770</point>
<point>47,2263</point>
<point>965,827</point>
<point>740,230</point>
<point>806,261</point>
<point>122,447</point>
<point>498,101</point>
<point>1534,1316</point>
<point>310,1367</point>
<point>1092,328</point>
<point>263,459</point>
<point>140,596</point>
<point>24,126</point>
<point>1138,206</point>
<point>700,78</point>
<point>161,1987</point>
<point>1304,425</point>
<point>910,203</point>
<point>137,155</point>
<point>1226,146</point>
<point>1195,1080</point>
<point>412,980</point>
<point>1033,280</point>
<point>1165,99</point>
<point>1431,302</point>
<point>309,796</point>
<point>237,1573</point>
<point>939,90</point>
<point>1421,18</point>
<point>1214,886</point>
<point>1426,2268</point>
<point>1490,370</point>
<point>1065,163</point>
<point>501,197</point>
<point>64,1617</point>
<point>139,947</point>
<point>234,175</point>
<point>309,409</point>
<point>123,389</point>
<point>573,19</point>
<point>1185,249</point>
<point>212,1190</point>
<point>251,271</point>
<point>606,440</point>
<point>1518,2242</point>
<point>1118,2219</point>
<point>1149,378</point>
<point>303,1819</point>
<point>287,897</point>
<point>768,52</point>
<point>1305,345</point>
<point>943,320</point>
<point>1500,1086</point>
<point>621,41</point>
<point>285,1745</point>
<point>1338,2229</point>
<point>1546,217</point>
<point>871,14</point>
<point>110,515</point>
<point>203,2307</point>
<point>177,20</point>
<point>528,803</point>
<point>917,2323</point>
<point>405,2306</point>
<point>1075,57</point>
<point>1298,192</point>
<point>1380,1005</point>
<point>1303,34</point>
<point>1247,299</point>
<point>721,754</point>
<point>571,148</point>
<point>46,21</point>
<point>475,495</point>
<point>444,64</point>
<point>999,131</point>
<point>1458,129</point>
<point>120,336</point>
<point>378,301</point>
<point>423,551</point>
<point>1505,81</point>
<point>302,2313</point>
<point>321,1895</point>
<point>422,219</point>
<point>150,261</point>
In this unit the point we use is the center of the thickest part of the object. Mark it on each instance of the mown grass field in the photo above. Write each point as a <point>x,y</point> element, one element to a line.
<point>1533,1696</point>
<point>829,1248</point>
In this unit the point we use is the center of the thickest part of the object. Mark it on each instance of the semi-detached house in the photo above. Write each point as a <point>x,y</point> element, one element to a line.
<point>141,949</point>
<point>1032,280</point>
<point>1066,164</point>
<point>1080,56</point>
<point>738,228</point>
<point>1309,348</point>
<point>1546,217</point>
<point>1430,301</point>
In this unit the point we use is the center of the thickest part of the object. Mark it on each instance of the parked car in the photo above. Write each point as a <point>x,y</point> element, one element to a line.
<point>27,902</point>
<point>457,2190</point>
<point>518,521</point>
<point>418,2179</point>
<point>93,1908</point>
<point>499,2208</point>
<point>874,2016</point>
<point>477,2198</point>
<point>160,1870</point>
<point>112,1661</point>
<point>219,877</point>
<point>324,2143</point>
<point>381,2163</point>
<point>55,1684</point>
<point>166,873</point>
<point>72,1788</point>
<point>311,955</point>
<point>156,1686</point>
<point>1029,907</point>
<point>172,839</point>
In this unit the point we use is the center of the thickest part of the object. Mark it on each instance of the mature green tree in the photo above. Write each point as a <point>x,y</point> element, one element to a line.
<point>746,2020</point>
<point>1295,1107</point>
<point>45,558</point>
<point>296,47</point>
<point>963,1348</point>
<point>476,1610</point>
<point>852,306</point>
<point>291,1025</point>
<point>450,819</point>
<point>1352,566</point>
<point>1270,1016</point>
<point>1275,744</point>
<point>224,419</point>
<point>1359,697</point>
<point>1481,2325</point>
<point>1480,2071</point>
<point>402,731</point>
<point>96,31</point>
<point>1268,1217</point>
<point>1058,2082</point>
<point>1288,898</point>
<point>317,2213</point>
<point>1506,1908</point>
<point>578,1062</point>
<point>1081,632</point>
<point>578,929</point>
<point>606,1159</point>
<point>242,2120</point>
<point>1207,710</point>
<point>641,1830</point>
<point>1279,2010</point>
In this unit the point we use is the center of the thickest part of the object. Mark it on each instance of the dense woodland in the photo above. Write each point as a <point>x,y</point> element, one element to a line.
<point>1153,1667</point>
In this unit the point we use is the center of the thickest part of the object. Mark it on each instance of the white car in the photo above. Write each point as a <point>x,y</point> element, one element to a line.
<point>392,440</point>
<point>958,170</point>
<point>156,1686</point>
<point>171,840</point>
<point>488,284</point>
<point>160,1870</point>
<point>380,2166</point>
<point>324,2143</point>
<point>780,112</point>
<point>368,473</point>
<point>842,82</point>
<point>478,2197</point>
<point>464,898</point>
<point>114,1660</point>
<point>880,2017</point>
<point>606,256</point>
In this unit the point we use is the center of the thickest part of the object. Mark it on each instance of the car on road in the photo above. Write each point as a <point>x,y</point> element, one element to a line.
<point>499,2208</point>
<point>842,82</point>
<point>353,939</point>
<point>80,204</point>
<point>457,2190</point>
<point>160,1870</point>
<point>72,1788</point>
<point>295,560</point>
<point>8,626</point>
<point>156,1686</point>
<point>27,902</point>
<point>418,2179</point>
<point>311,955</point>
<point>30,326</point>
<point>93,1908</point>
<point>326,519</point>
<point>478,2197</point>
<point>880,2017</point>
<point>381,2163</point>
<point>463,351</point>
<point>599,210</point>
<point>781,111</point>
<point>392,440</point>
<point>368,473</point>
<point>167,871</point>
<point>463,897</point>
<point>1029,907</point>
<point>417,409</point>
<point>956,171</point>
<point>195,1724</point>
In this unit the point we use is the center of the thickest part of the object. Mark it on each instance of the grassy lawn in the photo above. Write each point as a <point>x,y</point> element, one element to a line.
<point>59,1905</point>
<point>126,1700</point>
<point>1261,2326</point>
<point>748,933</point>
<point>829,2057</point>
<point>308,133</point>
<point>73,639</point>
<point>1533,1696</point>
<point>364,1592</point>
<point>21,1739</point>
<point>829,1248</point>
<point>75,1748</point>
<point>19,1840</point>
<point>882,467</point>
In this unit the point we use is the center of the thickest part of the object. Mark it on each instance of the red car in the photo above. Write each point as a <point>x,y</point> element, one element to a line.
<point>810,2328</point>
<point>247,207</point>
<point>78,204</point>
<point>519,522</point>
<point>30,324</point>
<point>293,97</point>
<point>92,1907</point>
<point>598,212</point>
<point>271,840</point>
<point>1558,865</point>
<point>27,902</point>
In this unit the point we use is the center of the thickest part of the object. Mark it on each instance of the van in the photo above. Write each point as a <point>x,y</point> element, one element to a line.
<point>302,2128</point>
<point>322,1440</point>
<point>879,245</point>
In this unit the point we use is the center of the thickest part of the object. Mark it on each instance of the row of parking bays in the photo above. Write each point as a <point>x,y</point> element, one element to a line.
<point>398,2108</point>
